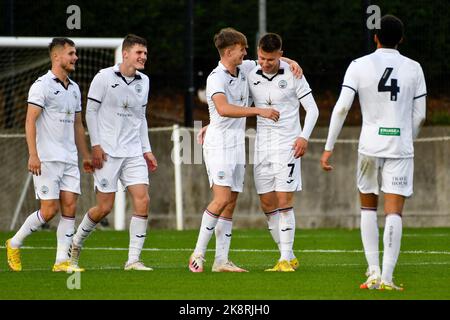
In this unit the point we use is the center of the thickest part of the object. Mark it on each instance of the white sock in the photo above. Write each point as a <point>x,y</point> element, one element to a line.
<point>64,235</point>
<point>223,239</point>
<point>138,232</point>
<point>391,240</point>
<point>209,222</point>
<point>369,236</point>
<point>31,224</point>
<point>84,230</point>
<point>273,220</point>
<point>287,232</point>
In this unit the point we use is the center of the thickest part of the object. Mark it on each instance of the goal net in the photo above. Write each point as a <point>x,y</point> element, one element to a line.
<point>22,61</point>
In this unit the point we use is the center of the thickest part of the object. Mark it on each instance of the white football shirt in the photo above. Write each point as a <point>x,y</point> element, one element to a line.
<point>283,92</point>
<point>225,132</point>
<point>55,134</point>
<point>387,84</point>
<point>121,112</point>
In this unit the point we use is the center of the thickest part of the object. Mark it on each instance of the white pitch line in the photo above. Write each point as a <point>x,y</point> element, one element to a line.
<point>253,266</point>
<point>238,250</point>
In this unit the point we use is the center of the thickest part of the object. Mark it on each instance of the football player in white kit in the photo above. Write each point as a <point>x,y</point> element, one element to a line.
<point>392,91</point>
<point>280,145</point>
<point>54,131</point>
<point>224,145</point>
<point>116,120</point>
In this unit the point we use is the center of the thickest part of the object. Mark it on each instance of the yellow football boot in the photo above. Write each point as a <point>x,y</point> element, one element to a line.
<point>13,257</point>
<point>389,286</point>
<point>65,266</point>
<point>282,266</point>
<point>294,263</point>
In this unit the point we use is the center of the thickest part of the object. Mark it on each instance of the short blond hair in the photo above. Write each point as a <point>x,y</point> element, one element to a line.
<point>229,37</point>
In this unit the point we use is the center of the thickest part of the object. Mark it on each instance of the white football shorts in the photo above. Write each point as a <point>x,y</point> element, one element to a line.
<point>396,175</point>
<point>130,171</point>
<point>226,167</point>
<point>55,177</point>
<point>277,171</point>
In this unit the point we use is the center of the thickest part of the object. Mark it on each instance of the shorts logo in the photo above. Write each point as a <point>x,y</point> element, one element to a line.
<point>104,183</point>
<point>282,84</point>
<point>399,181</point>
<point>221,175</point>
<point>138,88</point>
<point>44,189</point>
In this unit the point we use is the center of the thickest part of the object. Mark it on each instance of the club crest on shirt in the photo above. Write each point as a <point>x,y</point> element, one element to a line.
<point>138,88</point>
<point>242,77</point>
<point>75,94</point>
<point>282,84</point>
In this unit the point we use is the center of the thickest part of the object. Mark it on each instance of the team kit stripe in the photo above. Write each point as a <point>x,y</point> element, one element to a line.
<point>368,209</point>
<point>35,104</point>
<point>423,95</point>
<point>211,214</point>
<point>304,95</point>
<point>345,86</point>
<point>271,213</point>
<point>94,100</point>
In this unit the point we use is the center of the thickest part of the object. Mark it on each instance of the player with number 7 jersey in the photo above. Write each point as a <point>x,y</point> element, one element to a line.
<point>280,145</point>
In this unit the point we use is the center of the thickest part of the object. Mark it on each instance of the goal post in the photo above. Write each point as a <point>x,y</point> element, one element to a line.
<point>43,42</point>
<point>13,67</point>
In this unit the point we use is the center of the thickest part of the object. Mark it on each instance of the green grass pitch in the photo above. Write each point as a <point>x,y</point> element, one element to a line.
<point>332,266</point>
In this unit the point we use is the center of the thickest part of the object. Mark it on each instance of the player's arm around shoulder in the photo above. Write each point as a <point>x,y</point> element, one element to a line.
<point>294,67</point>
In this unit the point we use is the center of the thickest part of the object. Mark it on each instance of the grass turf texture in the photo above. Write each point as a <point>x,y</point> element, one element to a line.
<point>332,266</point>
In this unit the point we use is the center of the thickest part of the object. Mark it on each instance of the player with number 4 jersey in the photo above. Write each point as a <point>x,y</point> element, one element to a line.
<point>392,91</point>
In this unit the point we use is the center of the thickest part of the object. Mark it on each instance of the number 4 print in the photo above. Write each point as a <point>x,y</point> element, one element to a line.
<point>393,88</point>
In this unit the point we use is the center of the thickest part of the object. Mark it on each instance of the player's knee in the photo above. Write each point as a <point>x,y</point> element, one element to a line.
<point>284,204</point>
<point>143,202</point>
<point>49,210</point>
<point>105,208</point>
<point>69,208</point>
<point>267,206</point>
<point>222,202</point>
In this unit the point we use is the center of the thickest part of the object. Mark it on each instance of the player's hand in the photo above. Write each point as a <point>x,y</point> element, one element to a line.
<point>34,165</point>
<point>152,164</point>
<point>269,113</point>
<point>87,165</point>
<point>98,156</point>
<point>201,135</point>
<point>324,160</point>
<point>300,146</point>
<point>296,69</point>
